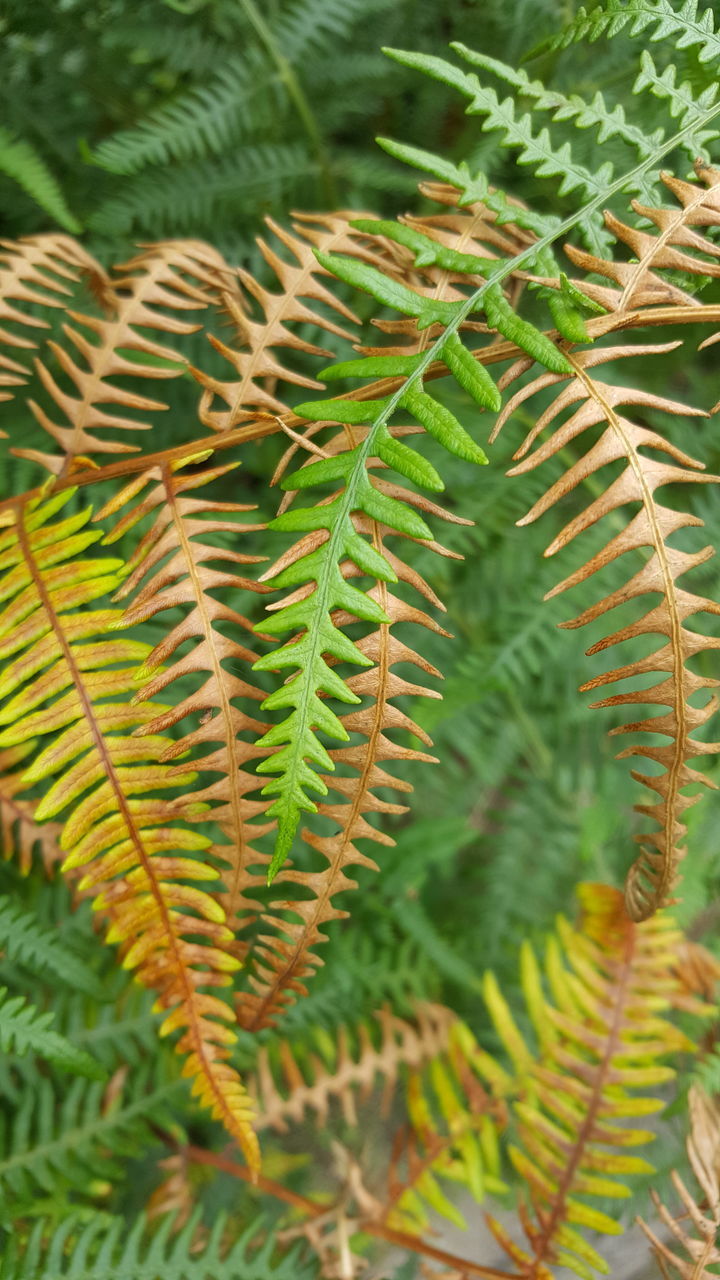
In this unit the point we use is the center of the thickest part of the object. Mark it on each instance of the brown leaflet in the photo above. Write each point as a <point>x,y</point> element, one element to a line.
<point>653,876</point>
<point>155,292</point>
<point>179,562</point>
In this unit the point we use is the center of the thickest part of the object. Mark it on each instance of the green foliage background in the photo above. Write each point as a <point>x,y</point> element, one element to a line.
<point>128,120</point>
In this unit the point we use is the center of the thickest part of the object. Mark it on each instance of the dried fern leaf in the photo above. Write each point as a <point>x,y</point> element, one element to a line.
<point>154,294</point>
<point>40,271</point>
<point>696,1228</point>
<point>182,561</point>
<point>133,838</point>
<point>260,375</point>
<point>342,1072</point>
<point>653,877</point>
<point>597,1009</point>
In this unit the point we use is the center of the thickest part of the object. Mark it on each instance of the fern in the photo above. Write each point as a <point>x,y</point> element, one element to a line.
<point>657,20</point>
<point>104,1250</point>
<point>21,162</point>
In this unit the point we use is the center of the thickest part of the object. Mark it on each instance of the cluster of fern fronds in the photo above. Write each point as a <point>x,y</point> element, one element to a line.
<point>221,645</point>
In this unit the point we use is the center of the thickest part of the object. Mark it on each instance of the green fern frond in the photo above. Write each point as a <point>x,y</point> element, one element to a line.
<point>24,940</point>
<point>57,1139</point>
<point>25,1029</point>
<point>21,162</point>
<point>684,103</point>
<point>98,1250</point>
<point>684,28</point>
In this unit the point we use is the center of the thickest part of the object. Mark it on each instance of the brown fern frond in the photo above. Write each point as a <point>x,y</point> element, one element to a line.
<point>20,834</point>
<point>258,370</point>
<point>133,839</point>
<point>40,271</point>
<point>654,875</point>
<point>155,292</point>
<point>640,284</point>
<point>281,961</point>
<point>697,1229</point>
<point>284,1095</point>
<point>597,1013</point>
<point>183,561</point>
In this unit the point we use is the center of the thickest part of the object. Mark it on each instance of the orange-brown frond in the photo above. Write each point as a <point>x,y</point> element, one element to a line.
<point>128,818</point>
<point>158,292</point>
<point>592,403</point>
<point>39,271</point>
<point>185,560</point>
<point>20,834</point>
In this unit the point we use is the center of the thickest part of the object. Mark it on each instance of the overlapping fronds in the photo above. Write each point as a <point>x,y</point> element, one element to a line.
<point>597,1009</point>
<point>452,1136</point>
<point>347,1068</point>
<point>654,874</point>
<point>105,1249</point>
<point>64,678</point>
<point>696,1254</point>
<point>24,940</point>
<point>667,247</point>
<point>183,560</point>
<point>262,317</point>
<point>282,960</point>
<point>334,523</point>
<point>156,291</point>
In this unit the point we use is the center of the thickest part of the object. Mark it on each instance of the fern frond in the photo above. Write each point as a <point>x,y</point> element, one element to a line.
<point>26,1029</point>
<point>335,1072</point>
<point>164,280</point>
<point>261,376</point>
<point>206,119</point>
<point>171,568</point>
<point>21,161</point>
<point>25,941</point>
<point>452,1137</point>
<point>653,876</point>
<point>597,1012</point>
<point>684,27</point>
<point>696,1229</point>
<point>54,1139</point>
<point>62,680</point>
<point>39,272</point>
<point>685,105</point>
<point>78,1250</point>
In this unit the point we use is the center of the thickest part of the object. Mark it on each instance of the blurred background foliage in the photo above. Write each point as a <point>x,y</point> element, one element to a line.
<point>129,120</point>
